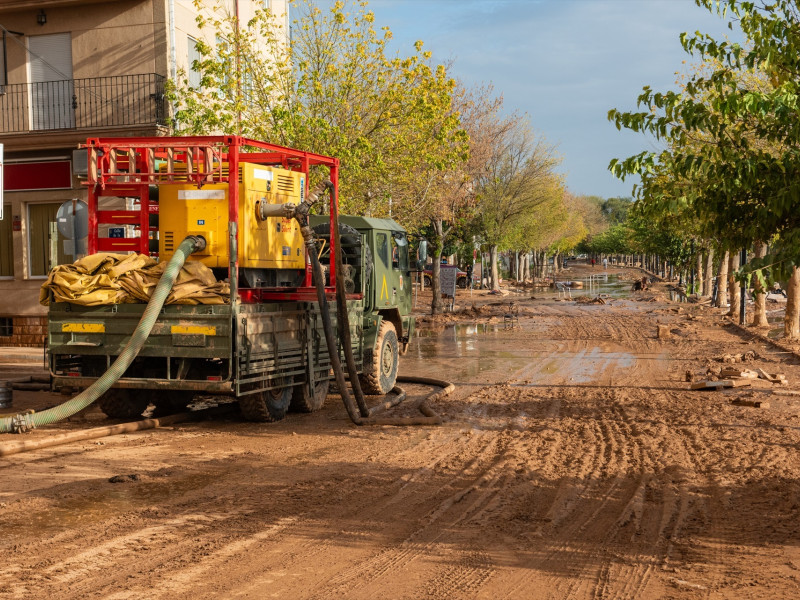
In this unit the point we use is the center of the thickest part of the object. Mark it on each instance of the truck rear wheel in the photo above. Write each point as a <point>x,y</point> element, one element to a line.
<point>302,401</point>
<point>380,374</point>
<point>267,406</point>
<point>123,404</point>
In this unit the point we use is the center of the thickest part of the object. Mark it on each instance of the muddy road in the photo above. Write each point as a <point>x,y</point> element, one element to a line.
<point>574,462</point>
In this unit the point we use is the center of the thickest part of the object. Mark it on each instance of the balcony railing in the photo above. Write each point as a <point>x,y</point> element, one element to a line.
<point>123,100</point>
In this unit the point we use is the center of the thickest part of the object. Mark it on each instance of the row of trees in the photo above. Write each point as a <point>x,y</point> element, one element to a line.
<point>414,143</point>
<point>726,177</point>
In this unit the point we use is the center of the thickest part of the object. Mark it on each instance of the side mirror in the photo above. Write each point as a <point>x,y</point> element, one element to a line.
<point>423,251</point>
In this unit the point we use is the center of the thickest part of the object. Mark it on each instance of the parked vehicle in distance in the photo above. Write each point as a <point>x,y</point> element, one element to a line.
<point>461,278</point>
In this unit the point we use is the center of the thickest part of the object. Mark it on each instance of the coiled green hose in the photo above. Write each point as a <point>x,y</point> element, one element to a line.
<point>22,422</point>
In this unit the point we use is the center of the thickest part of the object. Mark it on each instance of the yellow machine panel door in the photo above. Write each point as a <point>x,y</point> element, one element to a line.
<point>274,243</point>
<point>185,210</point>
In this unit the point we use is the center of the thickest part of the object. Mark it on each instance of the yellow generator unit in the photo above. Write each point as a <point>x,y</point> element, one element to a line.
<point>273,243</point>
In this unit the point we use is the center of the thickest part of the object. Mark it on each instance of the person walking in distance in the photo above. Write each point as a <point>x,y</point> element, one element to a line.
<point>605,263</point>
<point>593,263</point>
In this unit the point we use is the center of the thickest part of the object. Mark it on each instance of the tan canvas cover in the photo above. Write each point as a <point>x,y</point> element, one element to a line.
<point>108,278</point>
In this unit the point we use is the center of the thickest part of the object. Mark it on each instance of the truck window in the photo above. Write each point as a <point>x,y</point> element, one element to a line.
<point>399,251</point>
<point>383,249</point>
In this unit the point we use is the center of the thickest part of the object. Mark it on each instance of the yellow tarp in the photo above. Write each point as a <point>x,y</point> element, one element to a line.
<point>129,278</point>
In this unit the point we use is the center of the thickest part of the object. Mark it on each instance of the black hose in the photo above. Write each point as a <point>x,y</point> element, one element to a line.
<point>343,320</point>
<point>330,338</point>
<point>360,414</point>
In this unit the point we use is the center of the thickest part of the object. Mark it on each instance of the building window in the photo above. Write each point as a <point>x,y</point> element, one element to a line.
<point>194,56</point>
<point>40,216</point>
<point>6,326</point>
<point>6,244</point>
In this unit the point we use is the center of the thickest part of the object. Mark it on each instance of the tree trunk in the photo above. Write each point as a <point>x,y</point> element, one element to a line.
<point>733,286</point>
<point>708,287</point>
<point>494,269</point>
<point>438,248</point>
<point>556,266</point>
<point>791,322</point>
<point>698,274</point>
<point>760,302</point>
<point>524,275</point>
<point>722,280</point>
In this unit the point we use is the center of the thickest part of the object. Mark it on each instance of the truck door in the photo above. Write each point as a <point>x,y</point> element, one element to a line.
<point>401,273</point>
<point>383,273</point>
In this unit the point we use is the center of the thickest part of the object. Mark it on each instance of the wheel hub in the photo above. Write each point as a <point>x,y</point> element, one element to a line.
<point>387,360</point>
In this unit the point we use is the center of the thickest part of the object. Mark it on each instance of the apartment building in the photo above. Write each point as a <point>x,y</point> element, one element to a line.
<point>69,70</point>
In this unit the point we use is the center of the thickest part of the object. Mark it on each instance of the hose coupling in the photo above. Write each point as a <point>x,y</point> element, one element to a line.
<point>22,422</point>
<point>199,242</point>
<point>267,210</point>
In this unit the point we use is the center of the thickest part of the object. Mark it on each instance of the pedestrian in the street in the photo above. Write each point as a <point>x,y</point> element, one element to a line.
<point>593,263</point>
<point>605,263</point>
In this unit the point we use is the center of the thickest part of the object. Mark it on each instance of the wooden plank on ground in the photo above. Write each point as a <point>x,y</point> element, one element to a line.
<point>751,403</point>
<point>722,383</point>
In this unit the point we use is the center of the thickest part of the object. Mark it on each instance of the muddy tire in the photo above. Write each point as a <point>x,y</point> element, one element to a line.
<point>302,401</point>
<point>267,406</point>
<point>380,374</point>
<point>428,281</point>
<point>123,404</point>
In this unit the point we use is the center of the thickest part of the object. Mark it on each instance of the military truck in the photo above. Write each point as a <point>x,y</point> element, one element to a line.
<point>264,345</point>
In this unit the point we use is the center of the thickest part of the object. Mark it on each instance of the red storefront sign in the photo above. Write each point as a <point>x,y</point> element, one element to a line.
<point>45,175</point>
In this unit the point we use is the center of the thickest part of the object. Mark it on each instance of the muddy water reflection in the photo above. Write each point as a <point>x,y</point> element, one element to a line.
<point>488,352</point>
<point>463,351</point>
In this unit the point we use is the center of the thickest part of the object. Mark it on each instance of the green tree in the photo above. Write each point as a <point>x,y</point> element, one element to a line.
<point>733,140</point>
<point>519,177</point>
<point>332,89</point>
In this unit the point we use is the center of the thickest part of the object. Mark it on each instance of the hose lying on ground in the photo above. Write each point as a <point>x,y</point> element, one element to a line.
<point>430,418</point>
<point>22,422</point>
<point>98,432</point>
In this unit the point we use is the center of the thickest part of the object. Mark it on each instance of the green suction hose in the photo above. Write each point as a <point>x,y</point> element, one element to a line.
<point>23,422</point>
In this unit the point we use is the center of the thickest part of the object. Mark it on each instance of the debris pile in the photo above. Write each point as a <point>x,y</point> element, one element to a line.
<point>588,300</point>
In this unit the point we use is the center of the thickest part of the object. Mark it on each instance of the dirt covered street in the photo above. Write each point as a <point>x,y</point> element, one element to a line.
<point>574,462</point>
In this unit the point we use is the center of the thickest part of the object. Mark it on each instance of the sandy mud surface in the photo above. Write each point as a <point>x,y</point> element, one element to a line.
<point>574,462</point>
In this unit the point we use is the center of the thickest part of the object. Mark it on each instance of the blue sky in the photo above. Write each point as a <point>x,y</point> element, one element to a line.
<point>563,62</point>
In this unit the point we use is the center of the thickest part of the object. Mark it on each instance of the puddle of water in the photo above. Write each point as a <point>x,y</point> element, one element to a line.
<point>601,284</point>
<point>112,500</point>
<point>459,331</point>
<point>587,366</point>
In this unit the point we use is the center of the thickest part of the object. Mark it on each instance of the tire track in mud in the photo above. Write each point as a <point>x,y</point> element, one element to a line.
<point>550,489</point>
<point>604,478</point>
<point>432,531</point>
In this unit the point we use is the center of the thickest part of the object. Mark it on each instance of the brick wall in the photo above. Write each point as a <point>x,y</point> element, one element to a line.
<point>27,331</point>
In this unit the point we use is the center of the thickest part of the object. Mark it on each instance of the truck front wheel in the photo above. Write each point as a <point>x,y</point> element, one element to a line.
<point>380,374</point>
<point>123,404</point>
<point>267,406</point>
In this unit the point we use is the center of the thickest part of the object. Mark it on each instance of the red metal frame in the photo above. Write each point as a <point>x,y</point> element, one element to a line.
<point>125,167</point>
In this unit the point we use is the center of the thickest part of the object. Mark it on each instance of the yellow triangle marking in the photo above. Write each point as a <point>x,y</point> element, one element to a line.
<point>384,288</point>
